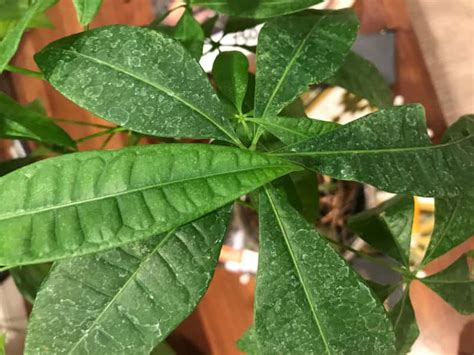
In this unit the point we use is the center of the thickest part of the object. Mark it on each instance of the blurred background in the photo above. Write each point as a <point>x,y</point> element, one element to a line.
<point>424,49</point>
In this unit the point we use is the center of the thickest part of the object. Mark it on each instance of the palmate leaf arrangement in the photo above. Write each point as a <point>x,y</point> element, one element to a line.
<point>135,233</point>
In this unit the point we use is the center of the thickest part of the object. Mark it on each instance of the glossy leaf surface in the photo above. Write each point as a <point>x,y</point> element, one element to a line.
<point>190,33</point>
<point>129,299</point>
<point>360,77</point>
<point>86,202</point>
<point>404,324</point>
<point>18,122</point>
<point>391,150</point>
<point>387,227</point>
<point>308,300</point>
<point>294,130</point>
<point>255,9</point>
<point>86,10</point>
<point>10,42</point>
<point>296,51</point>
<point>455,285</point>
<point>138,78</point>
<point>454,222</point>
<point>230,71</point>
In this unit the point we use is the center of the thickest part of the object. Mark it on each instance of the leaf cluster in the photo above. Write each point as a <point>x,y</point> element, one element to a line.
<point>134,234</point>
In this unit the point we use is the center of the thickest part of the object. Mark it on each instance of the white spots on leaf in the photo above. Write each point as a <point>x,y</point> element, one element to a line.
<point>93,92</point>
<point>118,114</point>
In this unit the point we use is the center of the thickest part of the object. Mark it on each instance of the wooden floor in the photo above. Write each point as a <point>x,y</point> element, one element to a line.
<point>226,310</point>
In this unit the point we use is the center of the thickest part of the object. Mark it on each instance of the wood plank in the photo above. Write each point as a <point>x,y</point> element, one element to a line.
<point>63,16</point>
<point>413,80</point>
<point>227,311</point>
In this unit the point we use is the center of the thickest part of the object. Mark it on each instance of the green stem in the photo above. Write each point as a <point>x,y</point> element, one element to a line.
<point>107,140</point>
<point>24,71</point>
<point>367,256</point>
<point>256,137</point>
<point>246,204</point>
<point>102,133</point>
<point>5,268</point>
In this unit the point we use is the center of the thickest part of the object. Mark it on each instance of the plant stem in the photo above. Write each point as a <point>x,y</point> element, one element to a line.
<point>367,256</point>
<point>107,140</point>
<point>5,268</point>
<point>102,133</point>
<point>24,71</point>
<point>246,204</point>
<point>255,139</point>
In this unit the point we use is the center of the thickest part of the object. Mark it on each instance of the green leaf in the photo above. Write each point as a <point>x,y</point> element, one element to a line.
<point>306,185</point>
<point>129,299</point>
<point>453,216</point>
<point>455,285</point>
<point>308,300</point>
<point>255,9</point>
<point>362,78</point>
<point>10,42</point>
<point>163,349</point>
<point>390,149</point>
<point>239,24</point>
<point>11,165</point>
<point>249,99</point>
<point>403,319</point>
<point>294,52</point>
<point>294,109</point>
<point>209,24</point>
<point>294,130</point>
<point>137,78</point>
<point>381,291</point>
<point>38,21</point>
<point>2,344</point>
<point>248,342</point>
<point>454,224</point>
<point>230,71</point>
<point>190,33</point>
<point>387,227</point>
<point>18,122</point>
<point>86,202</point>
<point>29,278</point>
<point>15,9</point>
<point>86,10</point>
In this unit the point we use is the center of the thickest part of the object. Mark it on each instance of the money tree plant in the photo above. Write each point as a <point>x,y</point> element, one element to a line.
<point>135,233</point>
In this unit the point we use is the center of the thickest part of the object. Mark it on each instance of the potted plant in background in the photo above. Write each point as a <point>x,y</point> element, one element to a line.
<point>135,233</point>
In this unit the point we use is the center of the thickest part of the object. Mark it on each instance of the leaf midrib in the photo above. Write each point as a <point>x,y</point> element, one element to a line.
<point>8,216</point>
<point>402,307</point>
<point>290,64</point>
<point>373,151</point>
<point>122,289</point>
<point>164,89</point>
<point>272,124</point>
<point>309,299</point>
